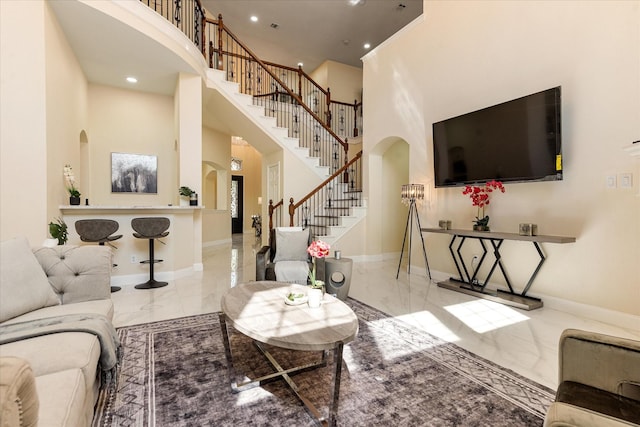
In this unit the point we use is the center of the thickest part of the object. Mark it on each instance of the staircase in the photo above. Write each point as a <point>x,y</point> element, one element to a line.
<point>336,206</point>
<point>293,110</point>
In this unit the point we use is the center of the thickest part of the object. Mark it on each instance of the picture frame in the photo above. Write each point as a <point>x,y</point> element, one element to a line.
<point>134,173</point>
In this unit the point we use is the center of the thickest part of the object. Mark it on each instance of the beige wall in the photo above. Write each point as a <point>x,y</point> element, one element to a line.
<point>216,158</point>
<point>23,143</point>
<point>124,121</point>
<point>344,80</point>
<point>504,50</point>
<point>67,117</point>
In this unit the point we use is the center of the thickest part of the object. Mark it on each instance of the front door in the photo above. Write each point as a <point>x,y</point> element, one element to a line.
<point>237,206</point>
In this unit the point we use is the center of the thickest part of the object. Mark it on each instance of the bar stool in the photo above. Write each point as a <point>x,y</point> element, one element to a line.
<point>99,231</point>
<point>150,228</point>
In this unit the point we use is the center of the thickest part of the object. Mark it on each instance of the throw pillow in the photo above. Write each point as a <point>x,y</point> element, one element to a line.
<point>23,285</point>
<point>292,245</point>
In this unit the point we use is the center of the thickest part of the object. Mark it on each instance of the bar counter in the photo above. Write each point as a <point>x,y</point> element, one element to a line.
<point>181,252</point>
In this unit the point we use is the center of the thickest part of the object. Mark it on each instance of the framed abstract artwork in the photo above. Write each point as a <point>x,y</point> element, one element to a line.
<point>134,173</point>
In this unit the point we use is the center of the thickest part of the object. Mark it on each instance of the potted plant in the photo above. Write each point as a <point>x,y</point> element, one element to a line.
<point>74,193</point>
<point>58,230</point>
<point>190,194</point>
<point>317,249</point>
<point>480,197</point>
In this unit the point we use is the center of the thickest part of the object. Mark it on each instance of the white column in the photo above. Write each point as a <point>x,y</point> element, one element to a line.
<point>189,142</point>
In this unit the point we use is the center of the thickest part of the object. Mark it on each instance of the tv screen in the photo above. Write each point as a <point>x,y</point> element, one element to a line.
<point>515,141</point>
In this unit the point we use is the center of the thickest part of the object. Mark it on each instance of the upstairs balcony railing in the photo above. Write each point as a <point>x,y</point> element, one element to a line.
<point>187,15</point>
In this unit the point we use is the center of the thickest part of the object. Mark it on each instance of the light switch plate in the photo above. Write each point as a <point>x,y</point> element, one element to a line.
<point>611,181</point>
<point>626,180</point>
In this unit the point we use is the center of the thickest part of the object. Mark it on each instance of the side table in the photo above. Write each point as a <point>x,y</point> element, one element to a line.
<point>337,276</point>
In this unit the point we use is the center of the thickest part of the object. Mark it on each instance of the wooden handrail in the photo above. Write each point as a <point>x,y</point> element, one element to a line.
<point>280,82</point>
<point>294,206</point>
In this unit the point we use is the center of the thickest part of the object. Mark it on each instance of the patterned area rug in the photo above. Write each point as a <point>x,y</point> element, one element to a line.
<point>173,373</point>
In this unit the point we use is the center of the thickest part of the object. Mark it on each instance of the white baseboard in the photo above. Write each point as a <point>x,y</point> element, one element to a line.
<point>164,276</point>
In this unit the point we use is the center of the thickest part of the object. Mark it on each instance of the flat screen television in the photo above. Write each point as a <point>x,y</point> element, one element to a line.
<point>516,141</point>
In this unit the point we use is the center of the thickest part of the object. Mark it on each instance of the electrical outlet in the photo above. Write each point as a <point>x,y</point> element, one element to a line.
<point>626,180</point>
<point>134,259</point>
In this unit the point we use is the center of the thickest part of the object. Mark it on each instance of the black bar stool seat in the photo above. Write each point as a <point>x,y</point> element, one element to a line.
<point>99,231</point>
<point>150,228</point>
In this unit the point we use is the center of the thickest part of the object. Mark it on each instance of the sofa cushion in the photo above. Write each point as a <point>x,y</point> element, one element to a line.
<point>103,307</point>
<point>23,284</point>
<point>77,273</point>
<point>65,402</point>
<point>18,397</point>
<point>292,245</point>
<point>600,401</point>
<point>567,415</point>
<point>64,351</point>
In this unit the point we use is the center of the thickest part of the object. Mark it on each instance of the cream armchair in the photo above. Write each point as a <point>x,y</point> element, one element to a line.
<point>287,247</point>
<point>599,381</point>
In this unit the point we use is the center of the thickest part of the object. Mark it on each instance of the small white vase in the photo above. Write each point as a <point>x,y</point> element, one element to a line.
<point>315,297</point>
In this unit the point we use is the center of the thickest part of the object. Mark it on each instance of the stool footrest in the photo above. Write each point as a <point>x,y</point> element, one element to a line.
<point>148,261</point>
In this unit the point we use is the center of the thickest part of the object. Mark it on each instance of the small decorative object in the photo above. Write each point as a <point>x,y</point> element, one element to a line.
<point>315,297</point>
<point>193,199</point>
<point>528,229</point>
<point>444,224</point>
<point>58,230</point>
<point>295,298</point>
<point>480,197</point>
<point>70,182</point>
<point>256,222</point>
<point>337,254</point>
<point>317,249</point>
<point>186,194</point>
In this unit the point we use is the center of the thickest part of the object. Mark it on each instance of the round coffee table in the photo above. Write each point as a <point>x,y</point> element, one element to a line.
<point>258,310</point>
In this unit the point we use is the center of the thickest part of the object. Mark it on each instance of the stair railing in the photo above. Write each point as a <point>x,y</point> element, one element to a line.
<point>323,207</point>
<point>275,210</point>
<point>187,15</point>
<point>258,79</point>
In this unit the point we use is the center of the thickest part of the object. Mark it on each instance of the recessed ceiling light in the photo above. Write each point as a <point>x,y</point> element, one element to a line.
<point>367,45</point>
<point>254,18</point>
<point>132,80</point>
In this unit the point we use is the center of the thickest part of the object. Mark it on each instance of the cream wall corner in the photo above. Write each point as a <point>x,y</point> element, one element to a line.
<point>466,55</point>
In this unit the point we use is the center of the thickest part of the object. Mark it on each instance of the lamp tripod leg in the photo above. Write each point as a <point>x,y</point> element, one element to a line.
<point>403,242</point>
<point>424,249</point>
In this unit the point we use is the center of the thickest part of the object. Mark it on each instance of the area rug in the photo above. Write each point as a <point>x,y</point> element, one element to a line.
<point>174,373</point>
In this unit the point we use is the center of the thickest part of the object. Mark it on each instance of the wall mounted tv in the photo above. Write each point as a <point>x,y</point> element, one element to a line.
<point>516,141</point>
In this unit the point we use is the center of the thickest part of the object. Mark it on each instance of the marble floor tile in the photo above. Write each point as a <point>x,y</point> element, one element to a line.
<point>524,341</point>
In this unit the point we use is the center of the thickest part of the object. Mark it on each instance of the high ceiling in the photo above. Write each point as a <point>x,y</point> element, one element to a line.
<point>312,31</point>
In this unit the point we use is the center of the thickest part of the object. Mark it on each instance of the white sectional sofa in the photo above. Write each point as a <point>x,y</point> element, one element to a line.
<point>55,333</point>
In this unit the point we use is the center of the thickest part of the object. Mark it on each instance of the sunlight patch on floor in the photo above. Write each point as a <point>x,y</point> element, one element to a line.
<point>483,316</point>
<point>426,321</point>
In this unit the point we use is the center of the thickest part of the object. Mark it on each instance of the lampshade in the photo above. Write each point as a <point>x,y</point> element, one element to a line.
<point>412,192</point>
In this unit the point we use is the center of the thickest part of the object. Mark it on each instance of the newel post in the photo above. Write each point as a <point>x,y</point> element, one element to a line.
<point>270,215</point>
<point>328,112</point>
<point>292,211</point>
<point>355,118</point>
<point>220,28</point>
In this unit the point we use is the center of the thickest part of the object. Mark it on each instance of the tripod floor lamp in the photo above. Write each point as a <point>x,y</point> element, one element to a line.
<point>411,193</point>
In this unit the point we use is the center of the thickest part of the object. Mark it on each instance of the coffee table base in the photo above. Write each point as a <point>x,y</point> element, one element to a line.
<point>286,375</point>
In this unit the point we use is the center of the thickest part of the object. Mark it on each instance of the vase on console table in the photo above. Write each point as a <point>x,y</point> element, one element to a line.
<point>481,228</point>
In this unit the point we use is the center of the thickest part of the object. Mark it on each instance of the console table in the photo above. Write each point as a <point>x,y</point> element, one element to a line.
<point>468,281</point>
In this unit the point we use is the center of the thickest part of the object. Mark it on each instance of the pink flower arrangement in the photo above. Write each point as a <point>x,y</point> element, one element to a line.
<point>317,249</point>
<point>480,197</point>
